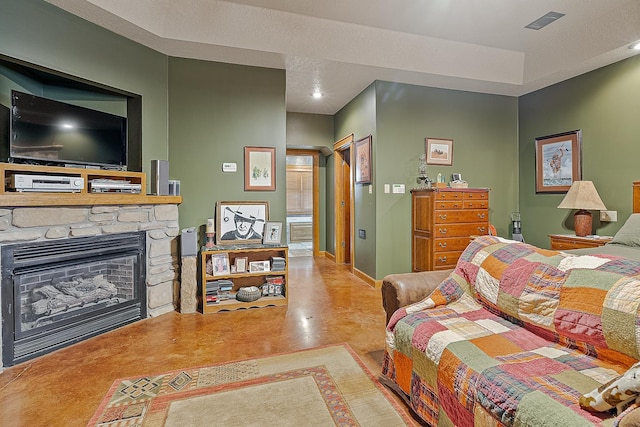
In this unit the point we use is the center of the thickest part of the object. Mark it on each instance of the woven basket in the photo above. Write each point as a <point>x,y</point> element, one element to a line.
<point>248,294</point>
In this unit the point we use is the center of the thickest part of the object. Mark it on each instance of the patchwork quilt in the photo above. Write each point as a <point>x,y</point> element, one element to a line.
<point>515,336</point>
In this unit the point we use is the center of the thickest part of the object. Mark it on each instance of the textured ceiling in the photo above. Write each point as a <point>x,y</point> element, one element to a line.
<point>340,46</point>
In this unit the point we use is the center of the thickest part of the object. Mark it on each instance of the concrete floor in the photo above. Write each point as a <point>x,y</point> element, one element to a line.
<point>327,305</point>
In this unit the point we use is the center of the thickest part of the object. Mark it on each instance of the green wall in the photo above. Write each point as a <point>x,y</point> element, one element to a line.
<point>216,110</point>
<point>42,34</point>
<point>604,104</point>
<point>484,130</point>
<point>358,117</point>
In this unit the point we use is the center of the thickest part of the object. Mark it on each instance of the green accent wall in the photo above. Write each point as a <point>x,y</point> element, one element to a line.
<point>604,104</point>
<point>37,32</point>
<point>359,117</point>
<point>215,110</point>
<point>400,116</point>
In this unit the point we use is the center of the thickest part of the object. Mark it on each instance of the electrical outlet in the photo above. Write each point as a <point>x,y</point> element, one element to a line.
<point>609,216</point>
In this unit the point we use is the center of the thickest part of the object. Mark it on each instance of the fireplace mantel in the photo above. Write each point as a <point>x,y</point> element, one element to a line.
<point>83,198</point>
<point>89,199</point>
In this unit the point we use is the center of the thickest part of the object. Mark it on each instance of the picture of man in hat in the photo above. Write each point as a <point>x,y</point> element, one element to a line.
<point>244,226</point>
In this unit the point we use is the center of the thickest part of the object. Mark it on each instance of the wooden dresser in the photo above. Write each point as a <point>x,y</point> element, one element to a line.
<point>442,222</point>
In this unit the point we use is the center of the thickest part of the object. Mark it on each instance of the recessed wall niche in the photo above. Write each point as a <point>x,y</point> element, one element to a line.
<point>16,74</point>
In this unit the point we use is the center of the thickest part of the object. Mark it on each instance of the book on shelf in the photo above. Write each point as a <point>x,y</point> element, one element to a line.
<point>218,290</point>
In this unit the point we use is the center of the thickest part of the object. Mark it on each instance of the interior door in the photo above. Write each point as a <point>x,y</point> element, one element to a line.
<point>343,200</point>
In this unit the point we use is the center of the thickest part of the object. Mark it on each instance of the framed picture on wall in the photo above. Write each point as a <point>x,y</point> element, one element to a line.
<point>363,160</point>
<point>558,161</point>
<point>259,168</point>
<point>439,151</point>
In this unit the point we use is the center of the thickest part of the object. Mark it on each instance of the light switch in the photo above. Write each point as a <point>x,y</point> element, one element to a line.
<point>387,188</point>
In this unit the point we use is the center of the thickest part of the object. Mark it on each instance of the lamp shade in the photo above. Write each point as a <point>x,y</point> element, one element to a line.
<point>582,195</point>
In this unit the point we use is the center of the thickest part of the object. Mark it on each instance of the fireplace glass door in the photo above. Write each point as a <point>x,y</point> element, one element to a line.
<point>56,293</point>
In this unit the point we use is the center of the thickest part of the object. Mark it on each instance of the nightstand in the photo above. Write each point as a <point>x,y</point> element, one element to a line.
<point>561,242</point>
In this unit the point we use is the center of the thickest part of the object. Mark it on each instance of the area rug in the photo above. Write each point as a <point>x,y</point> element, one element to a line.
<point>326,386</point>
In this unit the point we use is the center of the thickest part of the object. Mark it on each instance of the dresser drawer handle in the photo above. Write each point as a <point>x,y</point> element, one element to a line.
<point>481,216</point>
<point>443,216</point>
<point>443,231</point>
<point>481,229</point>
<point>442,244</point>
<point>442,259</point>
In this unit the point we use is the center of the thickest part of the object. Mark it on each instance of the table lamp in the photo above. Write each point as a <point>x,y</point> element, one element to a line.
<point>582,196</point>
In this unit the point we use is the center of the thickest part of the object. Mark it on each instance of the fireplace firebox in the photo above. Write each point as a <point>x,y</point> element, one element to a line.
<point>56,293</point>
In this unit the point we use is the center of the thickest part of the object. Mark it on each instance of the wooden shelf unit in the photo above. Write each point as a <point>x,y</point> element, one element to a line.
<point>85,196</point>
<point>252,253</point>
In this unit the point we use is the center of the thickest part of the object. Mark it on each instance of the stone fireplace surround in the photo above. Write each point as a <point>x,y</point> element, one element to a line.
<point>159,221</point>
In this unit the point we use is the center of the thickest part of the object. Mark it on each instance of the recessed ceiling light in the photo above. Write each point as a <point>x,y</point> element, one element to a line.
<point>317,94</point>
<point>635,46</point>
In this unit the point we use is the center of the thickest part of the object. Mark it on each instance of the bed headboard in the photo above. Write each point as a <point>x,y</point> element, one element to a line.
<point>636,196</point>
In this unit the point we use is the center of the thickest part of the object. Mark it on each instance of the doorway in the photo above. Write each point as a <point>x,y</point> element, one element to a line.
<point>343,203</point>
<point>303,187</point>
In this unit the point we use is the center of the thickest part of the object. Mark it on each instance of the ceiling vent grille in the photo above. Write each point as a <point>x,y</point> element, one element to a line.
<point>545,20</point>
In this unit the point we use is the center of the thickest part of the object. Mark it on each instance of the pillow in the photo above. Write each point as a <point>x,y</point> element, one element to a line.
<point>629,234</point>
<point>616,391</point>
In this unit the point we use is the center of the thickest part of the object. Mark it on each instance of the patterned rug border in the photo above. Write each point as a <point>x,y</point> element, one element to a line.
<point>164,400</point>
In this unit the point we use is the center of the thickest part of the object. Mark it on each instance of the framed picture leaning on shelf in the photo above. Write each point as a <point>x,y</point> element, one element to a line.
<point>241,222</point>
<point>241,264</point>
<point>220,264</point>
<point>272,233</point>
<point>259,266</point>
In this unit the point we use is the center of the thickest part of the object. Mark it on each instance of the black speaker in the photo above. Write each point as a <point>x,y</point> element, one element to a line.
<point>160,177</point>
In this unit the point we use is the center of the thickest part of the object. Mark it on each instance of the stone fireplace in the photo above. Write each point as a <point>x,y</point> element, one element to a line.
<point>69,273</point>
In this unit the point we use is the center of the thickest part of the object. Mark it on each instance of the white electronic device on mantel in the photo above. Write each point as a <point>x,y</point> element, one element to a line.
<point>46,183</point>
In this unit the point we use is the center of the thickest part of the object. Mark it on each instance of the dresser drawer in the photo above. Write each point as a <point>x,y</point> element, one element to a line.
<point>451,244</point>
<point>449,195</point>
<point>475,204</point>
<point>448,205</point>
<point>446,259</point>
<point>461,216</point>
<point>460,230</point>
<point>476,195</point>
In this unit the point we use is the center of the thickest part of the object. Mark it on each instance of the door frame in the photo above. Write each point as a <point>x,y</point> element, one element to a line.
<point>339,148</point>
<point>316,193</point>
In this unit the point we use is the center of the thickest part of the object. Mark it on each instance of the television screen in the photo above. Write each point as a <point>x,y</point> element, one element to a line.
<point>47,131</point>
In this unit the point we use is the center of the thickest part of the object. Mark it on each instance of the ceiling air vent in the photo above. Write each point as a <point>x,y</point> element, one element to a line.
<point>545,20</point>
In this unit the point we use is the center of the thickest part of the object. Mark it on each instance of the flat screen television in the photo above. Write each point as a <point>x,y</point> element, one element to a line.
<point>45,131</point>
